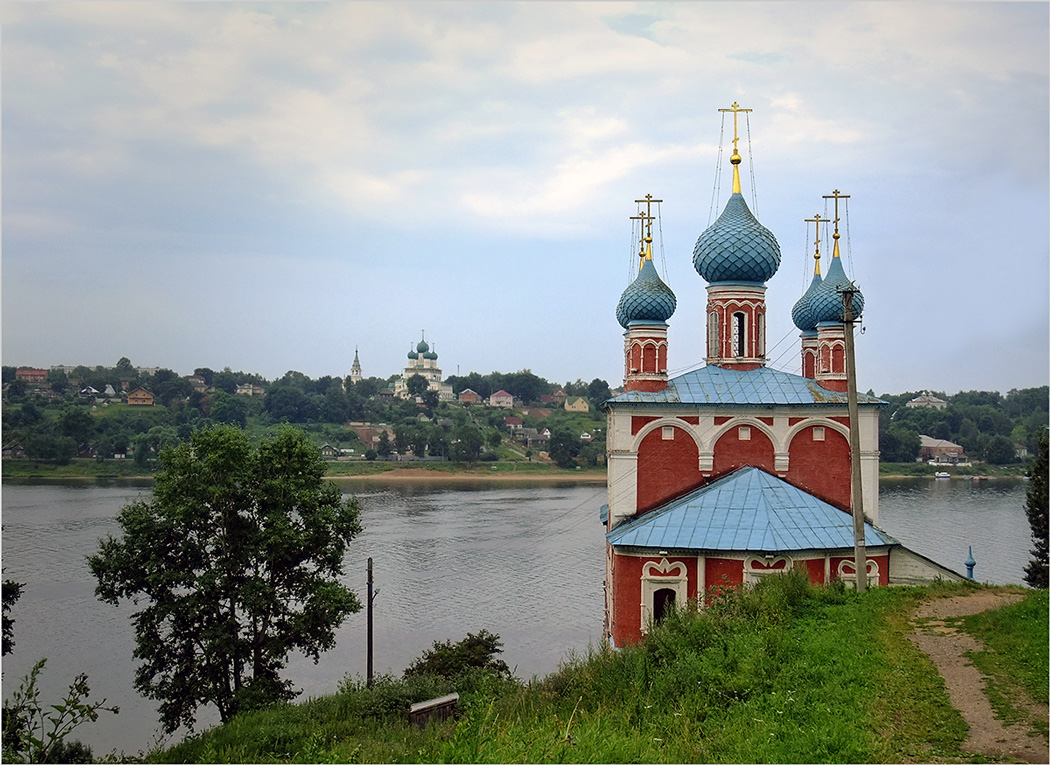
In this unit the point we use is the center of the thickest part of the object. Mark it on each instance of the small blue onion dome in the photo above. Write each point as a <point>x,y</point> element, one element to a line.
<point>826,303</point>
<point>647,298</point>
<point>412,355</point>
<point>430,355</point>
<point>801,313</point>
<point>736,247</point>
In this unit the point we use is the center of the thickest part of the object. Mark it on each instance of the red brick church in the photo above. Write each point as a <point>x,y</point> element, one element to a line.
<point>735,470</point>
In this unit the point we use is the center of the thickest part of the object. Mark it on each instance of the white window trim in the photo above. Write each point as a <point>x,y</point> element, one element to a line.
<point>849,577</point>
<point>659,576</point>
<point>752,575</point>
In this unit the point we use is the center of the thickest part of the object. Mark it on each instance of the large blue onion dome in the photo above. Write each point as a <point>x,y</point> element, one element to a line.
<point>736,247</point>
<point>826,303</point>
<point>647,298</point>
<point>422,347</point>
<point>801,313</point>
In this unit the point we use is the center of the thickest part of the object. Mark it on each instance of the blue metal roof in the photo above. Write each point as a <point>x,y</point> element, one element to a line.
<point>747,510</point>
<point>714,385</point>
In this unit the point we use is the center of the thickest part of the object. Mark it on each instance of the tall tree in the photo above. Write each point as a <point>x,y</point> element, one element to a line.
<point>1036,573</point>
<point>237,556</point>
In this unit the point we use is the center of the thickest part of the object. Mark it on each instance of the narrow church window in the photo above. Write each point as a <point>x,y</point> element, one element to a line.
<point>738,335</point>
<point>818,433</point>
<point>663,602</point>
<point>760,341</point>
<point>668,433</point>
<point>712,335</point>
<point>745,433</point>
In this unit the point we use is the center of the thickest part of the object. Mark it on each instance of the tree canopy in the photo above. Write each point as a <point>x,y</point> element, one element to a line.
<point>236,556</point>
<point>1037,573</point>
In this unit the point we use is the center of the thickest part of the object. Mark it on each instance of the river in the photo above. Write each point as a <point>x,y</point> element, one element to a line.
<point>525,561</point>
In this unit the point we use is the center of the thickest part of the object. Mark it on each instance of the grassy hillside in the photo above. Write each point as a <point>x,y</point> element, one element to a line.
<point>784,673</point>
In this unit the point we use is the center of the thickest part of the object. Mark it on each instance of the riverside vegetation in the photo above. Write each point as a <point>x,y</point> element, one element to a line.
<point>784,672</point>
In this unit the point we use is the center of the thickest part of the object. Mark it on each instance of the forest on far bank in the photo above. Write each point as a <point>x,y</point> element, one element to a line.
<point>990,427</point>
<point>71,415</point>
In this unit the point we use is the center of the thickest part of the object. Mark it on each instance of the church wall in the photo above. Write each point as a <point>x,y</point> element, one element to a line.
<point>822,467</point>
<point>666,467</point>
<point>736,448</point>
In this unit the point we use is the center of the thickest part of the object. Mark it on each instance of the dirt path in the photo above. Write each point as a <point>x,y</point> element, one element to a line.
<point>945,646</point>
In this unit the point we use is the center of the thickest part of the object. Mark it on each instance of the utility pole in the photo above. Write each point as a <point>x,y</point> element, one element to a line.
<point>370,597</point>
<point>860,558</point>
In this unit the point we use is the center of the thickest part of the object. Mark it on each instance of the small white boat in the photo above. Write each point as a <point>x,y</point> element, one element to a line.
<point>942,475</point>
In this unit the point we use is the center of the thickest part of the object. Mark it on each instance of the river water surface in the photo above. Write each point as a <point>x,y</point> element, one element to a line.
<point>526,562</point>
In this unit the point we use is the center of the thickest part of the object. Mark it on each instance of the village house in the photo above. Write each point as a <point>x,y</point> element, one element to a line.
<point>927,401</point>
<point>140,397</point>
<point>577,404</point>
<point>31,375</point>
<point>250,389</point>
<point>467,396</point>
<point>940,452</point>
<point>513,423</point>
<point>501,399</point>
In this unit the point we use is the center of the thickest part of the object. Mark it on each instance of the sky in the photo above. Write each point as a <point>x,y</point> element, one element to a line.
<point>270,187</point>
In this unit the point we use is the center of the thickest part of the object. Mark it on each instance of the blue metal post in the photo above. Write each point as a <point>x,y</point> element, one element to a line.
<point>970,563</point>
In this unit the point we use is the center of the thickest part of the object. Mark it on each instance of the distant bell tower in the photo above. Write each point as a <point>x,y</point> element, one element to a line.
<point>355,369</point>
<point>737,255</point>
<point>643,311</point>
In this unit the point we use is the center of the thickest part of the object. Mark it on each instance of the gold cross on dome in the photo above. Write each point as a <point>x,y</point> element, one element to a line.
<point>645,250</point>
<point>735,109</point>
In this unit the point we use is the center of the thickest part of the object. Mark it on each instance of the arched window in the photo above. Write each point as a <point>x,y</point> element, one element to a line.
<point>739,335</point>
<point>663,602</point>
<point>712,336</point>
<point>760,341</point>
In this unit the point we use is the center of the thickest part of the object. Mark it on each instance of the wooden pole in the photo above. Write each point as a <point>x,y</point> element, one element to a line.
<point>369,668</point>
<point>860,558</point>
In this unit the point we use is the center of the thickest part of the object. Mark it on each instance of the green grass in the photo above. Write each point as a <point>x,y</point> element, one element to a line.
<point>1016,656</point>
<point>784,673</point>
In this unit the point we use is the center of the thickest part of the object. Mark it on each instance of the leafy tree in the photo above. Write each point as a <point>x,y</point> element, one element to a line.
<point>1036,572</point>
<point>999,450</point>
<point>598,391</point>
<point>383,447</point>
<point>475,652</point>
<point>563,447</point>
<point>238,556</point>
<point>11,592</point>
<point>229,409</point>
<point>465,444</point>
<point>416,384</point>
<point>899,444</point>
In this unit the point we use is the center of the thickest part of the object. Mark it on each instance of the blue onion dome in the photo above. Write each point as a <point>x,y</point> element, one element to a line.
<point>422,347</point>
<point>801,313</point>
<point>647,298</point>
<point>412,355</point>
<point>826,303</point>
<point>736,247</point>
<point>430,355</point>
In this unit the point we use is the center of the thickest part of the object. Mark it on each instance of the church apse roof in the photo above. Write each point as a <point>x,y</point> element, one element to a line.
<point>714,385</point>
<point>747,510</point>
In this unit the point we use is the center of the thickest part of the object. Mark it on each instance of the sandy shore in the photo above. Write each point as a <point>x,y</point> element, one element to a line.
<point>421,475</point>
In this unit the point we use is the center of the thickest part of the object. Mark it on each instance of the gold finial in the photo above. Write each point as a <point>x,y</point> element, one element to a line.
<point>645,249</point>
<point>816,243</point>
<point>735,159</point>
<point>836,196</point>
